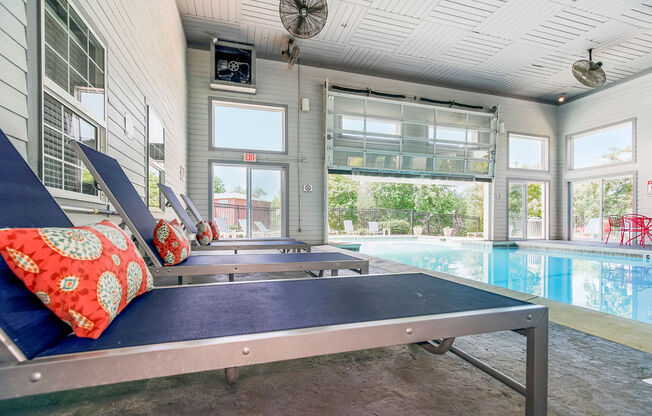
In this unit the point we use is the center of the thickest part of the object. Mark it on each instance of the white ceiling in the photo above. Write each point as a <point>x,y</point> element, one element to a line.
<point>510,47</point>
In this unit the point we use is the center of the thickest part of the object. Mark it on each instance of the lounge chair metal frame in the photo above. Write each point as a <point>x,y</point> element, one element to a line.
<point>359,321</point>
<point>306,262</point>
<point>230,245</point>
<point>95,368</point>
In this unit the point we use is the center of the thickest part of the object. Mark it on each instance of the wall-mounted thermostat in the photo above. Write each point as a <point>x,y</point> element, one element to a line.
<point>307,188</point>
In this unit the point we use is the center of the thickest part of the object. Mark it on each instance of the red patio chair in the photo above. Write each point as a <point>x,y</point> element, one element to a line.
<point>614,223</point>
<point>636,224</point>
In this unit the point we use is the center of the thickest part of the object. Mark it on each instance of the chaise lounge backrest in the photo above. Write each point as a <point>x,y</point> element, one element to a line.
<point>193,209</point>
<point>178,208</point>
<point>25,203</point>
<point>122,195</point>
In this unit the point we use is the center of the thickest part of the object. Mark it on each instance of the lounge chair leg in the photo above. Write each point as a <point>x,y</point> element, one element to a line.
<point>536,376</point>
<point>231,277</point>
<point>231,374</point>
<point>180,280</point>
<point>334,272</point>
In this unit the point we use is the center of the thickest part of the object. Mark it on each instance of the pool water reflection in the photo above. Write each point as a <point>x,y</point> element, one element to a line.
<point>616,285</point>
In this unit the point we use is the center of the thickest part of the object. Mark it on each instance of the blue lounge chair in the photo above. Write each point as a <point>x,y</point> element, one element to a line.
<point>225,326</point>
<point>234,245</point>
<point>125,199</point>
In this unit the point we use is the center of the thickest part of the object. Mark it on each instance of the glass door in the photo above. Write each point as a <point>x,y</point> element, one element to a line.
<point>526,210</point>
<point>230,200</point>
<point>594,201</point>
<point>266,206</point>
<point>517,197</point>
<point>248,201</point>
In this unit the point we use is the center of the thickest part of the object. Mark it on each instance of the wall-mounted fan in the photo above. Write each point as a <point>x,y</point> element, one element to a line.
<point>589,73</point>
<point>303,18</point>
<point>291,54</point>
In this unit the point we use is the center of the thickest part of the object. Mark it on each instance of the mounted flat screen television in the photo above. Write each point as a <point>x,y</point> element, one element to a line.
<point>233,67</point>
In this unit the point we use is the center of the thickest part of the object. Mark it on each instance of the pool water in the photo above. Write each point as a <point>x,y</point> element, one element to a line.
<point>619,286</point>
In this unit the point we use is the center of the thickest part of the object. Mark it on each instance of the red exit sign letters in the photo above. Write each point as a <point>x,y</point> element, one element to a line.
<point>249,157</point>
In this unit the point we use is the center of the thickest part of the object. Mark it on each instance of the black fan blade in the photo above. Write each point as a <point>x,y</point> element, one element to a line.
<point>316,9</point>
<point>300,21</point>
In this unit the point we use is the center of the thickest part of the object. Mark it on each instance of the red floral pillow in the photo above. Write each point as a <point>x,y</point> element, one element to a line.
<point>214,230</point>
<point>204,233</point>
<point>171,243</point>
<point>85,275</point>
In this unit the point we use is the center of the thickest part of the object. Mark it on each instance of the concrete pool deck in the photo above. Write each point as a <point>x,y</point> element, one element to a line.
<point>588,375</point>
<point>628,332</point>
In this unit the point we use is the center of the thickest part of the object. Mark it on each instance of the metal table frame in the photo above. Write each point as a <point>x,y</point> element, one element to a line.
<point>71,371</point>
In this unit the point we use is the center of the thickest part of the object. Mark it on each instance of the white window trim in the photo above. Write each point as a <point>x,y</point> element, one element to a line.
<point>281,108</point>
<point>50,87</point>
<point>545,151</point>
<point>569,145</point>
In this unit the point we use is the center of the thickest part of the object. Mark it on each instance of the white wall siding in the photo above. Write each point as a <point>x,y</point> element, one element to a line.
<point>278,85</point>
<point>13,72</point>
<point>631,99</point>
<point>146,50</point>
<point>145,65</point>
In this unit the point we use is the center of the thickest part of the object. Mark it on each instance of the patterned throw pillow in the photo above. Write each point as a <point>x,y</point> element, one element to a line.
<point>204,233</point>
<point>171,243</point>
<point>214,230</point>
<point>85,275</point>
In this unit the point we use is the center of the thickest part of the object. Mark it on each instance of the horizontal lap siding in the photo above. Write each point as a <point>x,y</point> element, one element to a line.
<point>13,72</point>
<point>146,65</point>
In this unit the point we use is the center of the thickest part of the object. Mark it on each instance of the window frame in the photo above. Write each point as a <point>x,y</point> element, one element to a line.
<point>48,86</point>
<point>212,101</point>
<point>569,146</point>
<point>152,163</point>
<point>544,147</point>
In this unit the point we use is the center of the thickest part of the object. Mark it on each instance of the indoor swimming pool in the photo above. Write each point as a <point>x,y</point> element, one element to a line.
<point>615,285</point>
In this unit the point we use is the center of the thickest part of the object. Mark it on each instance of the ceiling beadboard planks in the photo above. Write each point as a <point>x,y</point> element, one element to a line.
<point>405,7</point>
<point>466,14</point>
<point>473,49</point>
<point>640,15</point>
<point>347,17</point>
<point>513,47</point>
<point>383,30</point>
<point>565,26</point>
<point>361,58</point>
<point>429,40</point>
<point>261,12</point>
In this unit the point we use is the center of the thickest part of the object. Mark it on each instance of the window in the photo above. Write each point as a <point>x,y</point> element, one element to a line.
<point>73,58</point>
<point>73,96</point>
<point>255,127</point>
<point>605,146</point>
<point>156,158</point>
<point>373,134</point>
<point>528,152</point>
<point>61,168</point>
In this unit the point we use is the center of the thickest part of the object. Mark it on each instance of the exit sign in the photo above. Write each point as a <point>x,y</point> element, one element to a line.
<point>249,157</point>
